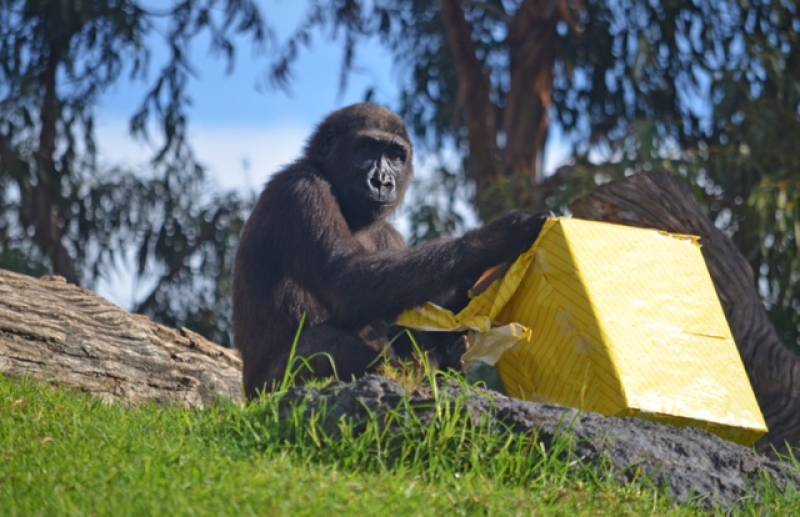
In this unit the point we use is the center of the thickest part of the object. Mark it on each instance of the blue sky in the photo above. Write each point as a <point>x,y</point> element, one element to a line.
<point>222,98</point>
<point>235,118</point>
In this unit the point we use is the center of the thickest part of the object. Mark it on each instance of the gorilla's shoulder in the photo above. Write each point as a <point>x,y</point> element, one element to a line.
<point>296,187</point>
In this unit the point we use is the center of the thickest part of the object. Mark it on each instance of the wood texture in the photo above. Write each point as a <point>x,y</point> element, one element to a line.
<point>660,200</point>
<point>474,93</point>
<point>54,331</point>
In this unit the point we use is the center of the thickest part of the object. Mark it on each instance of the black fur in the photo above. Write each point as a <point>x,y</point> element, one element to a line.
<point>318,243</point>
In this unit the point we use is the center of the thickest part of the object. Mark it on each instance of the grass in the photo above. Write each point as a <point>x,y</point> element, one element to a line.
<point>66,453</point>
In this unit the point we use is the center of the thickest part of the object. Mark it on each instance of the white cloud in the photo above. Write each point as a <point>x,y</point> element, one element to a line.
<point>236,156</point>
<point>244,157</point>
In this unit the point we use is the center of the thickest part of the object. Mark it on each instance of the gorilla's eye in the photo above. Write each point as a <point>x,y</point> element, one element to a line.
<point>396,153</point>
<point>368,147</point>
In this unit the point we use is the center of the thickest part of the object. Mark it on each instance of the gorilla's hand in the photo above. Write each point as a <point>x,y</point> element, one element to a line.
<point>499,241</point>
<point>515,232</point>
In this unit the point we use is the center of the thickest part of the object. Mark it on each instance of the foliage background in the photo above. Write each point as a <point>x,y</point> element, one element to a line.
<point>707,89</point>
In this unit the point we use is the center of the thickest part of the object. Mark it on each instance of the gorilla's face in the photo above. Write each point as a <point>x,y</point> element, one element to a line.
<point>372,171</point>
<point>365,153</point>
<point>379,162</point>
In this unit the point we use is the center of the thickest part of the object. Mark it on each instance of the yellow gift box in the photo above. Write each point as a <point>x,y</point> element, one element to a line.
<point>614,319</point>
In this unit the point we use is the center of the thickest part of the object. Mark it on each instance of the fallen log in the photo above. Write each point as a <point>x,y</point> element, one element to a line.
<point>665,201</point>
<point>54,331</point>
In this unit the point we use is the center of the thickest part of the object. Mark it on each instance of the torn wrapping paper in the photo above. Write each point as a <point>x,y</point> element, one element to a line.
<point>614,319</point>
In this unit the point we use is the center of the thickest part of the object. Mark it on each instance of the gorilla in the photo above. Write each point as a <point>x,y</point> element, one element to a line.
<point>318,245</point>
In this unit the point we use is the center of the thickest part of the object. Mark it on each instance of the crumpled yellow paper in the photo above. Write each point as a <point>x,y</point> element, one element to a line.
<point>614,319</point>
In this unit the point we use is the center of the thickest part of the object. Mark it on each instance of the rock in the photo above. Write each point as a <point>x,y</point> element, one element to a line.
<point>693,464</point>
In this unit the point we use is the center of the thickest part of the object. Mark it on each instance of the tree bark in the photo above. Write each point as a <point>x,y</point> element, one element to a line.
<point>664,201</point>
<point>507,155</point>
<point>474,91</point>
<point>532,55</point>
<point>45,214</point>
<point>57,332</point>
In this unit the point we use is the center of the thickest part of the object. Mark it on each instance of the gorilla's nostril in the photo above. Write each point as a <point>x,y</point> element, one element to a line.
<point>374,182</point>
<point>386,180</point>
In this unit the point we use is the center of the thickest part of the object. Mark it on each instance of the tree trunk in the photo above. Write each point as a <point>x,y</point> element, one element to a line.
<point>664,201</point>
<point>474,100</point>
<point>532,54</point>
<point>45,213</point>
<point>57,332</point>
<point>505,160</point>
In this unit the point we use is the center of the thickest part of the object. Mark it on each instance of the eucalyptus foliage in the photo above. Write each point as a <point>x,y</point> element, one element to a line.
<point>709,89</point>
<point>62,211</point>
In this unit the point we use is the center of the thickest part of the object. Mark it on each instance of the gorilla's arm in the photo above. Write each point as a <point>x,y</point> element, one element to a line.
<point>358,287</point>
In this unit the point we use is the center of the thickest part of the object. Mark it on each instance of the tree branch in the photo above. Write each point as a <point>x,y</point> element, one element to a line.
<point>174,271</point>
<point>47,220</point>
<point>473,96</point>
<point>532,49</point>
<point>10,160</point>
